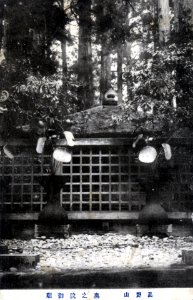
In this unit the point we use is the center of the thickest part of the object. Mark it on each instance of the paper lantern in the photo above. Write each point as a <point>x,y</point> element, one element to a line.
<point>62,155</point>
<point>148,154</point>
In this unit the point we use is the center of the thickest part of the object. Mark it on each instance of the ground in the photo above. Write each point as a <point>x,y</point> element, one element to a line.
<point>107,251</point>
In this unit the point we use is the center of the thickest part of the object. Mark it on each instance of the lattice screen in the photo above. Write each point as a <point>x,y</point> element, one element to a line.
<point>20,188</point>
<point>99,178</point>
<point>103,178</point>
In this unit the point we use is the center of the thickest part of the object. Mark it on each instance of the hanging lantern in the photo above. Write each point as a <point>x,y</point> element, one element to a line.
<point>40,145</point>
<point>140,136</point>
<point>4,95</point>
<point>62,155</point>
<point>69,138</point>
<point>2,56</point>
<point>167,151</point>
<point>8,151</point>
<point>110,98</point>
<point>41,128</point>
<point>147,155</point>
<point>174,102</point>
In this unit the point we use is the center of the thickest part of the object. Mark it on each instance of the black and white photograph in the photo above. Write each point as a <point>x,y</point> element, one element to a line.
<point>96,146</point>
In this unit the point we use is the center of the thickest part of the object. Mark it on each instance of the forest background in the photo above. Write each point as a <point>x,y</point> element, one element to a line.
<point>60,57</point>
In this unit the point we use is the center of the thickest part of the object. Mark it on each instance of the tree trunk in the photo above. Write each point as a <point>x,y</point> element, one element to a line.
<point>126,51</point>
<point>106,60</point>
<point>119,73</point>
<point>156,25</point>
<point>183,15</point>
<point>1,25</point>
<point>176,15</point>
<point>129,83</point>
<point>85,76</point>
<point>64,60</point>
<point>123,7</point>
<point>2,34</point>
<point>164,21</point>
<point>4,30</point>
<point>105,82</point>
<point>63,48</point>
<point>188,7</point>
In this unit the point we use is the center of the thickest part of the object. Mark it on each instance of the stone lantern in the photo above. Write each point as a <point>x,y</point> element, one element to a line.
<point>110,98</point>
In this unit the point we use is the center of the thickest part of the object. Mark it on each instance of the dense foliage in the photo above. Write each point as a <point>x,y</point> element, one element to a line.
<point>161,78</point>
<point>158,80</point>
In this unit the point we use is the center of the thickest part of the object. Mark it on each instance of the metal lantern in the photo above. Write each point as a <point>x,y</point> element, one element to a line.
<point>110,98</point>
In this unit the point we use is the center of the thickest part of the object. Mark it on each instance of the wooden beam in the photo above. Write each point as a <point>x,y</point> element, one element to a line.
<point>20,216</point>
<point>95,216</point>
<point>180,215</point>
<point>100,141</point>
<point>102,215</point>
<point>78,142</point>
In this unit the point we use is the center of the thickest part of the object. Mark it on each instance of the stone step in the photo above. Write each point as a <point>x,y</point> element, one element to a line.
<point>3,249</point>
<point>8,261</point>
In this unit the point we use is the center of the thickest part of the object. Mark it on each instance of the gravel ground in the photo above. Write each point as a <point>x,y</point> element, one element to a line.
<point>102,251</point>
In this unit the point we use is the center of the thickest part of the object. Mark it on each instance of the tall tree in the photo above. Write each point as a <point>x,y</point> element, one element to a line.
<point>164,20</point>
<point>176,15</point>
<point>188,5</point>
<point>112,32</point>
<point>85,76</point>
<point>3,24</point>
<point>65,5</point>
<point>120,72</point>
<point>123,19</point>
<point>104,36</point>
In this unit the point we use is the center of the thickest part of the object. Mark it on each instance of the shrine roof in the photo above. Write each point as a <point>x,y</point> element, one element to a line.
<point>108,120</point>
